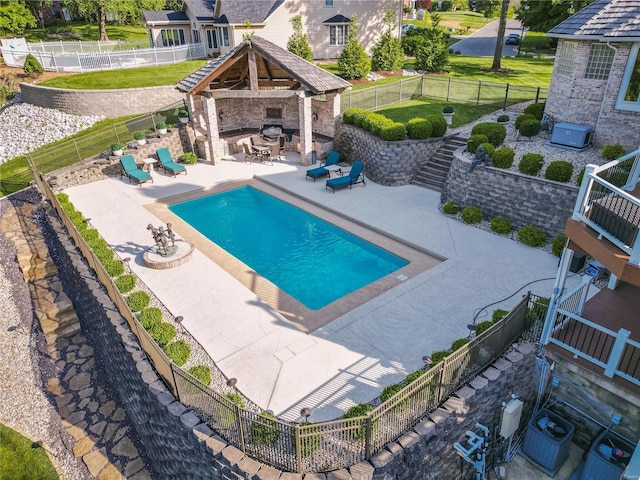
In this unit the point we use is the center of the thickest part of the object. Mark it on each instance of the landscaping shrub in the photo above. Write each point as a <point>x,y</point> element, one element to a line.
<point>390,391</point>
<point>102,252</point>
<point>98,243</point>
<point>189,158</point>
<point>474,141</point>
<point>535,109</point>
<point>498,314</point>
<point>359,410</point>
<point>393,132</point>
<point>495,132</point>
<point>471,214</point>
<point>530,128</point>
<point>150,317</point>
<point>178,351</point>
<point>438,125</point>
<point>419,128</point>
<point>114,267</point>
<point>349,116</point>
<point>438,356</point>
<point>62,198</point>
<point>522,118</point>
<point>138,301</point>
<point>501,225</point>
<point>557,245</point>
<point>32,65</point>
<point>580,176</point>
<point>413,376</point>
<point>264,429</point>
<point>89,234</point>
<point>76,218</point>
<point>559,170</point>
<point>228,416</point>
<point>459,343</point>
<point>612,152</point>
<point>503,157</point>
<point>489,149</point>
<point>202,373</point>
<point>163,333</point>
<point>531,163</point>
<point>503,119</point>
<point>125,283</point>
<point>451,208</point>
<point>482,327</point>
<point>532,236</point>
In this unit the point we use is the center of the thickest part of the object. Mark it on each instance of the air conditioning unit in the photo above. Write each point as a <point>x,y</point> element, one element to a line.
<point>571,136</point>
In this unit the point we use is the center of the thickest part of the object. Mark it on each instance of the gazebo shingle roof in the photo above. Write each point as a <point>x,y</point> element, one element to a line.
<point>602,19</point>
<point>309,76</point>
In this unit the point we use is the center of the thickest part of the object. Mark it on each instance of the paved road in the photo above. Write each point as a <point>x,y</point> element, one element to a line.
<point>482,43</point>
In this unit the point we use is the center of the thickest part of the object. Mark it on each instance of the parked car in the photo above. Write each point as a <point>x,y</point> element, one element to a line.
<point>512,39</point>
<point>406,27</point>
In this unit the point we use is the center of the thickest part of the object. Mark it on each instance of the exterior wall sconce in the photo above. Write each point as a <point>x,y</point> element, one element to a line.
<point>314,116</point>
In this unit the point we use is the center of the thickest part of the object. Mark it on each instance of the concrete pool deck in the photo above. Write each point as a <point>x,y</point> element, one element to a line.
<point>352,358</point>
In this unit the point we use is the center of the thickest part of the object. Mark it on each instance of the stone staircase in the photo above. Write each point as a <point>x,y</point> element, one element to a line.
<point>433,174</point>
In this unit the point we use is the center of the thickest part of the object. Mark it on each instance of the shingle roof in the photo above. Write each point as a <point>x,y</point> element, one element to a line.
<point>256,11</point>
<point>338,19</point>
<point>151,16</point>
<point>201,9</point>
<point>602,18</point>
<point>310,77</point>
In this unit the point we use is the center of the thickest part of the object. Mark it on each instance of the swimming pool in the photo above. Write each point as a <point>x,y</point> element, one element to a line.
<point>310,259</point>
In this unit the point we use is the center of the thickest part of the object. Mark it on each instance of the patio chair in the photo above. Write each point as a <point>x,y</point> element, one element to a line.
<point>275,153</point>
<point>355,176</point>
<point>250,154</point>
<point>321,171</point>
<point>167,163</point>
<point>131,170</point>
<point>281,142</point>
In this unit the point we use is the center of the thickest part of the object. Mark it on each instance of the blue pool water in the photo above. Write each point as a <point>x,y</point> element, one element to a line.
<point>310,259</point>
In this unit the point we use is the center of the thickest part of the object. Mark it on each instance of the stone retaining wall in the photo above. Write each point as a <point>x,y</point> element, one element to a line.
<point>392,164</point>
<point>523,199</point>
<point>110,103</point>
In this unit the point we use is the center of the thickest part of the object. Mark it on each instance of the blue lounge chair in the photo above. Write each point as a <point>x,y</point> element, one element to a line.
<point>355,176</point>
<point>131,170</point>
<point>167,163</point>
<point>332,159</point>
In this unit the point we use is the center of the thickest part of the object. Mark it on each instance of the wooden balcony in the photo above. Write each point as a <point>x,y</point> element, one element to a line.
<point>612,310</point>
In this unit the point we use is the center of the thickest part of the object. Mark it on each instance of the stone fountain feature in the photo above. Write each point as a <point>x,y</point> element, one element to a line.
<point>168,251</point>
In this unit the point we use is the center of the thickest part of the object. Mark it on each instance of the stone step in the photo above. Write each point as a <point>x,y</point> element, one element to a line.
<point>44,308</point>
<point>58,324</point>
<point>64,332</point>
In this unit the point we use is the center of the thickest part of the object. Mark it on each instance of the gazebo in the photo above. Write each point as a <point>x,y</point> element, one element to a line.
<point>256,85</point>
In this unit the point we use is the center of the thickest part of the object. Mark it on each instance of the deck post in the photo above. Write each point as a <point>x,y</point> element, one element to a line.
<point>558,291</point>
<point>616,352</point>
<point>585,187</point>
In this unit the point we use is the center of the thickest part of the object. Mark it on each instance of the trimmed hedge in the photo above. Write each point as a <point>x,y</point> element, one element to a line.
<point>531,163</point>
<point>535,109</point>
<point>178,352</point>
<point>138,301</point>
<point>501,225</point>
<point>522,118</point>
<point>532,236</point>
<point>150,317</point>
<point>557,245</point>
<point>530,127</point>
<point>471,214</point>
<point>163,333</point>
<point>451,208</point>
<point>559,170</point>
<point>375,123</point>
<point>393,132</point>
<point>202,373</point>
<point>438,125</point>
<point>390,391</point>
<point>498,314</point>
<point>413,376</point>
<point>495,132</point>
<point>474,141</point>
<point>503,158</point>
<point>612,152</point>
<point>482,327</point>
<point>438,356</point>
<point>114,267</point>
<point>459,343</point>
<point>125,283</point>
<point>418,128</point>
<point>489,149</point>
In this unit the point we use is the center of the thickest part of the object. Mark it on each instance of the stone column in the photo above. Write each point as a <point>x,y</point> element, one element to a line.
<point>306,135</point>
<point>215,149</point>
<point>333,101</point>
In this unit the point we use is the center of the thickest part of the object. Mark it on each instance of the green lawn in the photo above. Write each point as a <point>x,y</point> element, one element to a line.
<point>128,78</point>
<point>71,31</point>
<point>21,459</point>
<point>462,23</point>
<point>538,43</point>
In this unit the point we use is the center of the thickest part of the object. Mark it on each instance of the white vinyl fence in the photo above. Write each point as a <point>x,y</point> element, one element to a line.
<point>91,56</point>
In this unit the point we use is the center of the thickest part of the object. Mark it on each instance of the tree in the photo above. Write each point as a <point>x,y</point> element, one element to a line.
<point>543,15</point>
<point>432,54</point>
<point>489,8</point>
<point>387,53</point>
<point>502,25</point>
<point>123,11</point>
<point>15,17</point>
<point>298,42</point>
<point>37,7</point>
<point>353,62</point>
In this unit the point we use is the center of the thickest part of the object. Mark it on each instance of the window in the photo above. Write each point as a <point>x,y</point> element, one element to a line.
<point>338,34</point>
<point>328,3</point>
<point>599,63</point>
<point>274,112</point>
<point>172,36</point>
<point>196,36</point>
<point>565,62</point>
<point>223,35</point>
<point>629,94</point>
<point>212,39</point>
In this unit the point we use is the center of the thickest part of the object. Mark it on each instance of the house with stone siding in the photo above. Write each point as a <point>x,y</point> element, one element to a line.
<point>596,74</point>
<point>223,24</point>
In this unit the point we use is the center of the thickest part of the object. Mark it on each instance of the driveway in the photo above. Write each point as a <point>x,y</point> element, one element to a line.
<point>482,43</point>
